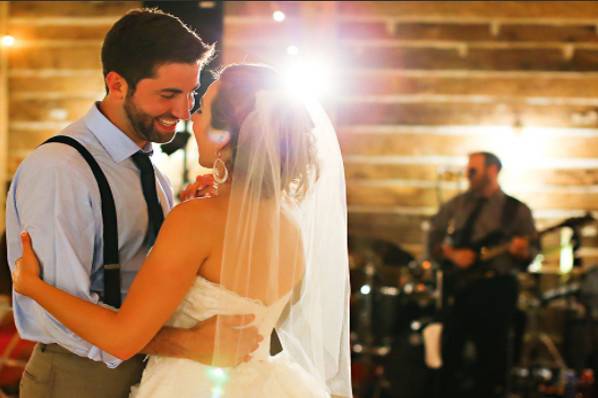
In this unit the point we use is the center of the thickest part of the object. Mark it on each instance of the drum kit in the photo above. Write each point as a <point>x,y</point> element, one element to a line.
<point>394,297</point>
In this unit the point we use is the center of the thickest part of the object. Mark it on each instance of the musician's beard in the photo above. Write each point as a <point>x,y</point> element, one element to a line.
<point>480,183</point>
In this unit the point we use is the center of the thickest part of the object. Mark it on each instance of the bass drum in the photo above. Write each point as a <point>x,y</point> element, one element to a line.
<point>385,301</point>
<point>405,369</point>
<point>374,318</point>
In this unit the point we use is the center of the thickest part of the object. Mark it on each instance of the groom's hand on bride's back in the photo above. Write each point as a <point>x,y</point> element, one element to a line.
<point>226,340</point>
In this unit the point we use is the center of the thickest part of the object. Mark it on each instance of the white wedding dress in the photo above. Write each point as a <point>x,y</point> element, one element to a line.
<point>263,376</point>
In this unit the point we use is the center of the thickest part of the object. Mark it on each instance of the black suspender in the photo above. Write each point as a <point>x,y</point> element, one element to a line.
<point>109,221</point>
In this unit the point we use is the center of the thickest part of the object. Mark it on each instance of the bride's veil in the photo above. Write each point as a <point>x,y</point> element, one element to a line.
<point>286,230</point>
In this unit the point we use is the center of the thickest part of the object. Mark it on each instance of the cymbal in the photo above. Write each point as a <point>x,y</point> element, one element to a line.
<point>378,251</point>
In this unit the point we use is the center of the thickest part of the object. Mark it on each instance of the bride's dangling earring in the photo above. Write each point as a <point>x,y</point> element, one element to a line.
<point>219,172</point>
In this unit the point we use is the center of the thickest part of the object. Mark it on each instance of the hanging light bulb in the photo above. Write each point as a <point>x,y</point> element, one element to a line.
<point>292,50</point>
<point>8,41</point>
<point>278,16</point>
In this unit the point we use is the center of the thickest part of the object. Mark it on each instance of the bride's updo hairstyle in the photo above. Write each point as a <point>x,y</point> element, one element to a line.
<point>233,109</point>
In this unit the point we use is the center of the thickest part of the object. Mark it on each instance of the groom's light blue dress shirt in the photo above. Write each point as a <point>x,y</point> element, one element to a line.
<point>55,197</point>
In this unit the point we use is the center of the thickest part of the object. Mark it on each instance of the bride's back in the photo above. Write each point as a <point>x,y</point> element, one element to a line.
<point>264,266</point>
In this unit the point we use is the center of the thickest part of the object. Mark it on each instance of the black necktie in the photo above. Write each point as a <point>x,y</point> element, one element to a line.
<point>148,184</point>
<point>467,230</point>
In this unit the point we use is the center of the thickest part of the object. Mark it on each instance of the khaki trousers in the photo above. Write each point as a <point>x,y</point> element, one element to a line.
<point>54,372</point>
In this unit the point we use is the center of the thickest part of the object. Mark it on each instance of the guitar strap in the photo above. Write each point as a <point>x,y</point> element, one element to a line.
<point>508,214</point>
<point>466,232</point>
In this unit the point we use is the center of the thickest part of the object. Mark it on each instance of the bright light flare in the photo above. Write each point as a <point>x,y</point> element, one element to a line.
<point>566,257</point>
<point>309,77</point>
<point>365,290</point>
<point>292,50</point>
<point>278,16</point>
<point>8,41</point>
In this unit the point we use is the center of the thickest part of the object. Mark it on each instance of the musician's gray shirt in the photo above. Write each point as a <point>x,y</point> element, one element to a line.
<point>453,214</point>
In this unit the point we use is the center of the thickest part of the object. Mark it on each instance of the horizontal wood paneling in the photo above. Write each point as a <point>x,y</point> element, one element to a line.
<point>457,145</point>
<point>561,10</point>
<point>451,113</point>
<point>22,141</point>
<point>414,196</point>
<point>356,171</point>
<point>503,59</point>
<point>473,32</point>
<point>68,85</point>
<point>427,57</point>
<point>84,9</point>
<point>510,87</point>
<point>23,30</point>
<point>60,109</point>
<point>267,31</point>
<point>80,57</point>
<point>260,8</point>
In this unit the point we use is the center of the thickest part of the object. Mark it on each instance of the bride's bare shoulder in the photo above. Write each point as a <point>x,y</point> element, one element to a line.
<point>198,210</point>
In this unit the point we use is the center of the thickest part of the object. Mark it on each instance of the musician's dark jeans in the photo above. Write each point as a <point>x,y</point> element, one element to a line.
<point>483,315</point>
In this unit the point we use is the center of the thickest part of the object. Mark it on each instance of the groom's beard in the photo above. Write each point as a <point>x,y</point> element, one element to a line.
<point>143,123</point>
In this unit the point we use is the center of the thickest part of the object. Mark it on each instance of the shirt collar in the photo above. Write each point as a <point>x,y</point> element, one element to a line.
<point>118,145</point>
<point>498,195</point>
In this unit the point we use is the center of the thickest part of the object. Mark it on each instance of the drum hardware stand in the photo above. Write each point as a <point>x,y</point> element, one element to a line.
<point>366,349</point>
<point>439,290</point>
<point>538,339</point>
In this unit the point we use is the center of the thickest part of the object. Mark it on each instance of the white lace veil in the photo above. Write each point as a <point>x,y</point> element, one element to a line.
<point>286,231</point>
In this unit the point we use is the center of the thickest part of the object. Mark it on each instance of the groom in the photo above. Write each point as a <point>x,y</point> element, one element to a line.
<point>151,64</point>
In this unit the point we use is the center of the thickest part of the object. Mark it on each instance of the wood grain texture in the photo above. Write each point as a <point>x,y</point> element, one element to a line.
<point>84,9</point>
<point>570,10</point>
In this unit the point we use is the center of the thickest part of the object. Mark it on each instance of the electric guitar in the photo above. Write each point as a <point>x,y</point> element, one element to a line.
<point>457,280</point>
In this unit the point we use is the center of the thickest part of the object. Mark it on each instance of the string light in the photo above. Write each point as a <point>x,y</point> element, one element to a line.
<point>292,50</point>
<point>278,16</point>
<point>8,41</point>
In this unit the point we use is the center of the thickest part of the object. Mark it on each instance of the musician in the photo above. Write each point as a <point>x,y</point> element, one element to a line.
<point>481,297</point>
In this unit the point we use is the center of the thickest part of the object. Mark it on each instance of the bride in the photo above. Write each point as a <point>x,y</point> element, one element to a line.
<point>270,240</point>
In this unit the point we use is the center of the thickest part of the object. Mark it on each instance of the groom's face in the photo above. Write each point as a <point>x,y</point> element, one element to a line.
<point>158,103</point>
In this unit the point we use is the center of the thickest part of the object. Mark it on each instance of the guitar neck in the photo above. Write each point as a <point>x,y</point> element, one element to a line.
<point>488,253</point>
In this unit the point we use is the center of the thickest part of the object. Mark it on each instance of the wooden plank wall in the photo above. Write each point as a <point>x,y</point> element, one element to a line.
<point>419,84</point>
<point>516,78</point>
<point>3,108</point>
<point>423,83</point>
<point>54,68</point>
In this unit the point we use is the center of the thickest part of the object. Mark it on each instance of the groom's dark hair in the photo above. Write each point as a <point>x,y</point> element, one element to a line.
<point>144,39</point>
